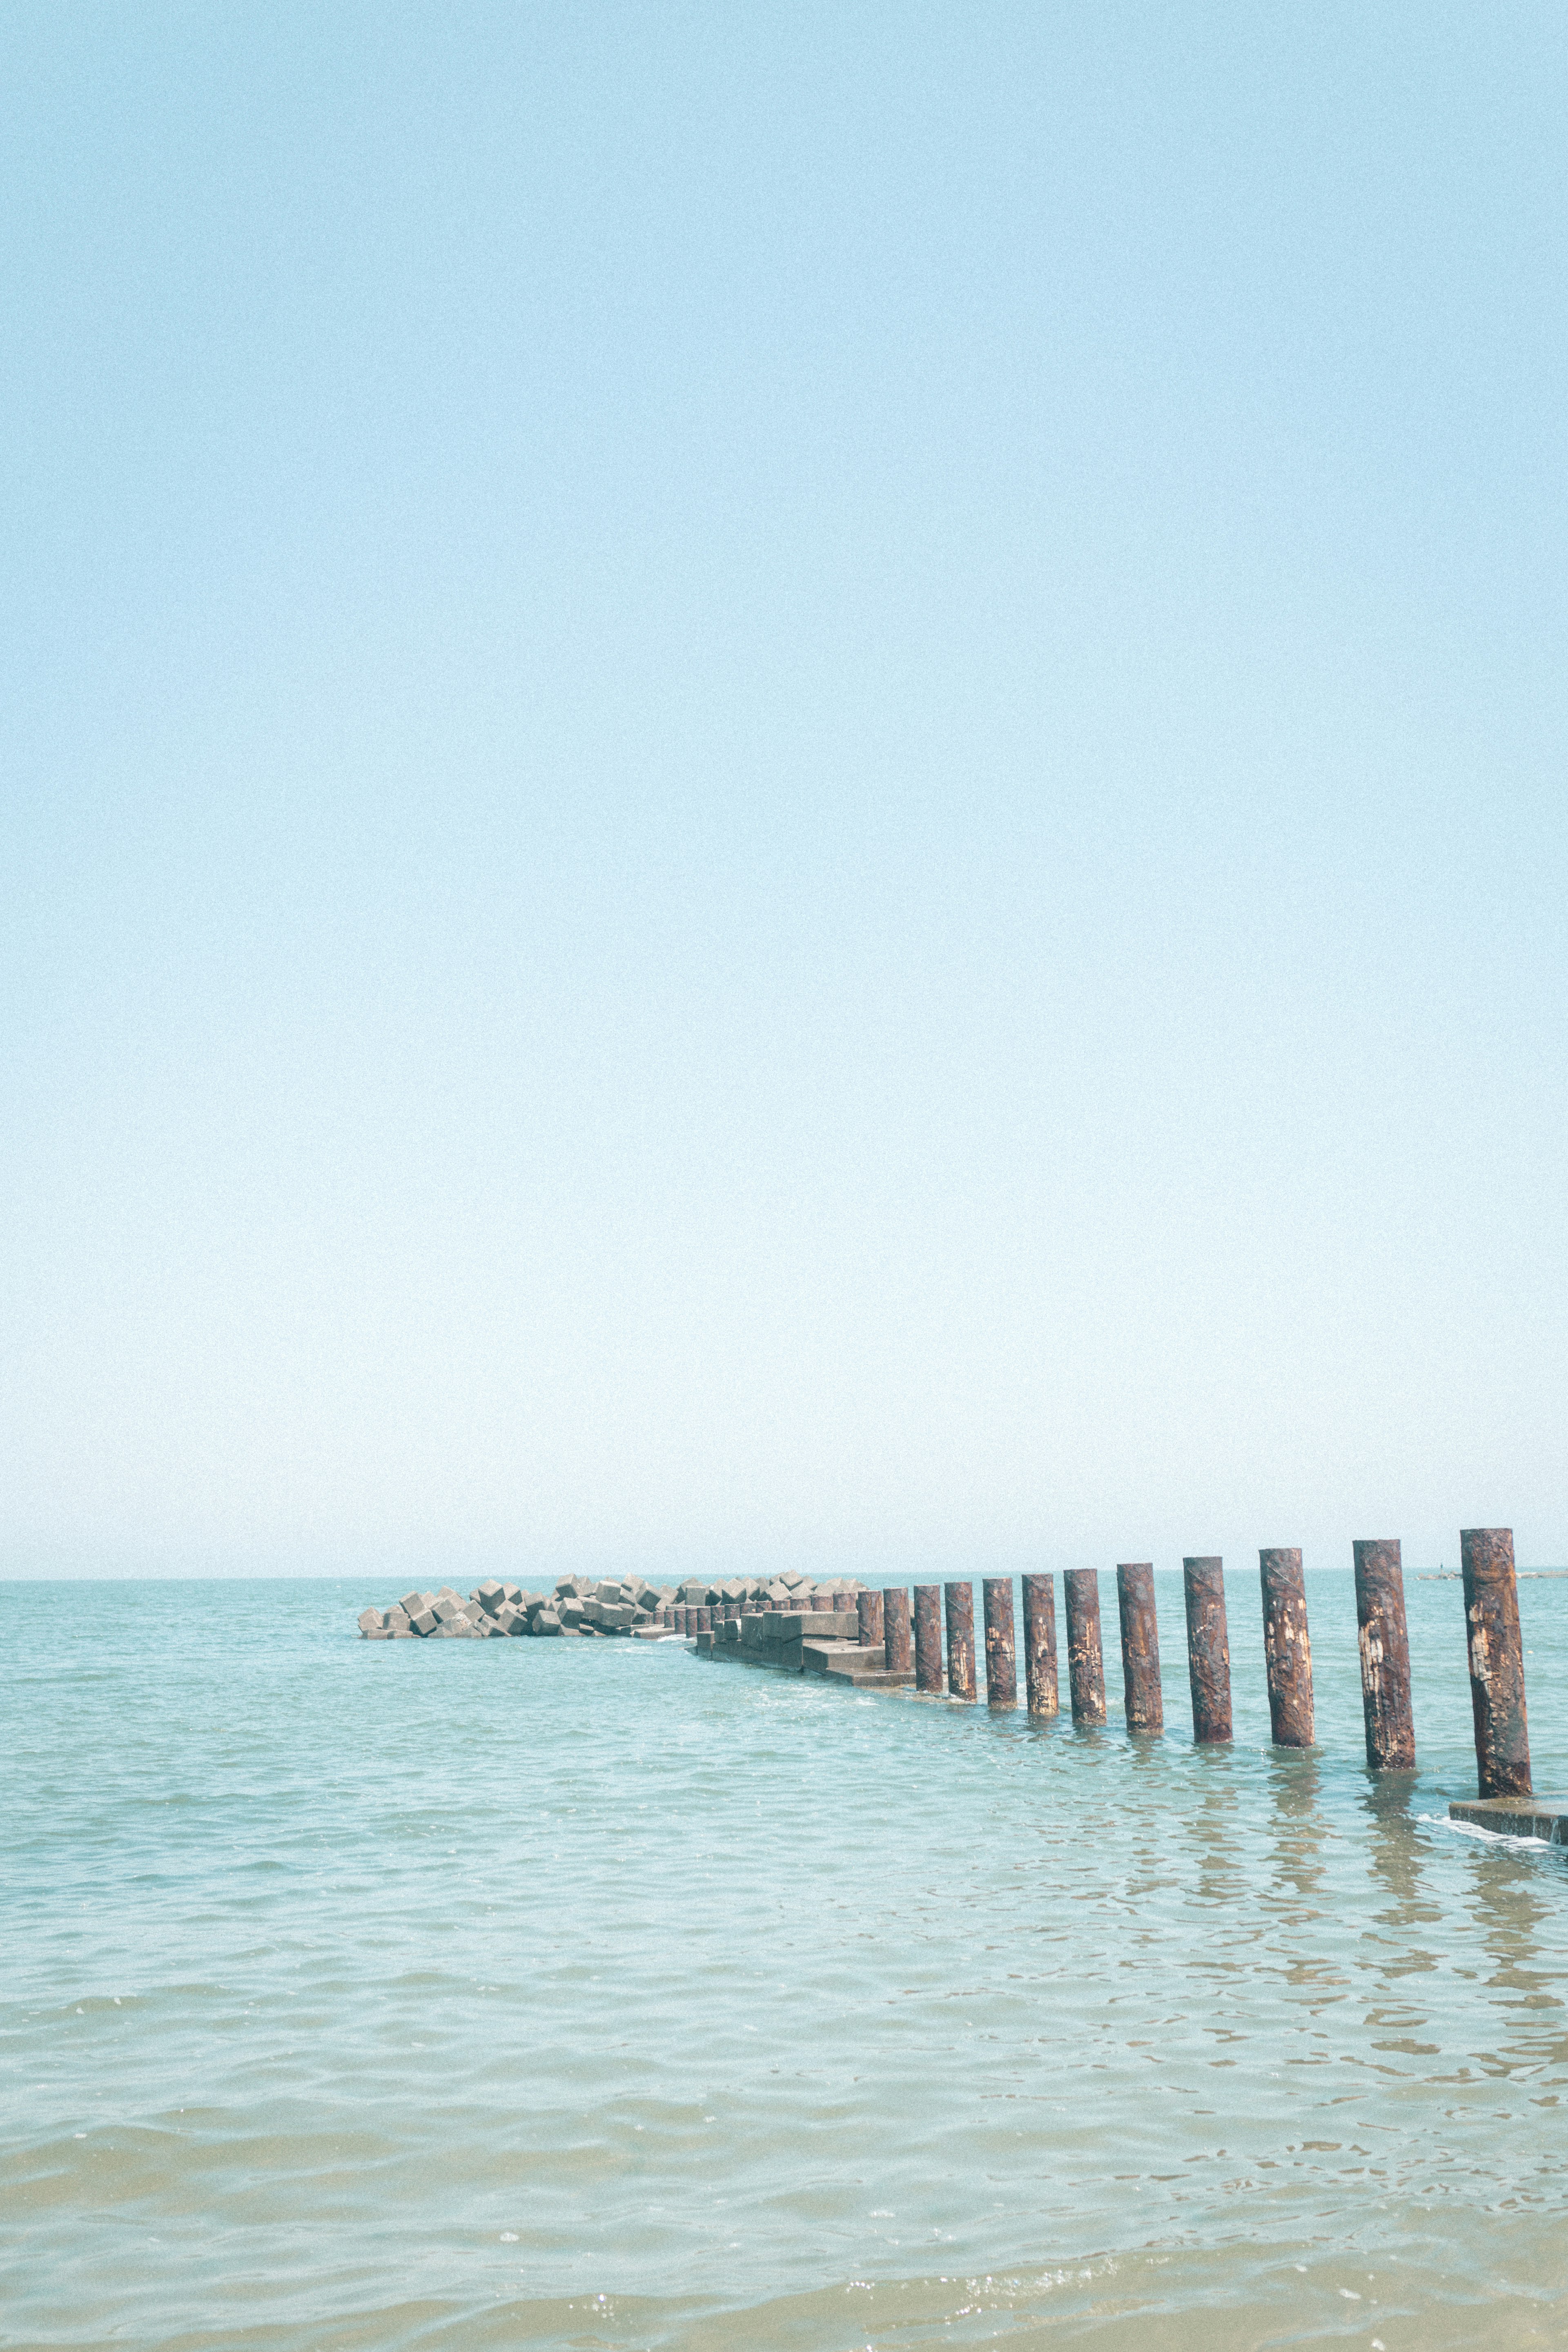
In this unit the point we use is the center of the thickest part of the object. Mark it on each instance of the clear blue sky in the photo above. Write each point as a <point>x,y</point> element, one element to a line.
<point>780,785</point>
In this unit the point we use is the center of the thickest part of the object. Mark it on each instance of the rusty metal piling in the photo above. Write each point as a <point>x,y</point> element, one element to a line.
<point>868,1608</point>
<point>960,1601</point>
<point>896,1629</point>
<point>1497,1661</point>
<point>1001,1653</point>
<point>1040,1643</point>
<point>1140,1645</point>
<point>1086,1660</point>
<point>1385,1657</point>
<point>1287,1646</point>
<point>1209,1648</point>
<point>928,1638</point>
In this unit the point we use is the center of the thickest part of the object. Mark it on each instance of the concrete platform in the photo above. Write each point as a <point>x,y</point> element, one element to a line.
<point>818,1657</point>
<point>1530,1817</point>
<point>790,1642</point>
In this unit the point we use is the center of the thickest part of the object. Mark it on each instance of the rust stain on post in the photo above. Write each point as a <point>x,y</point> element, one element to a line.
<point>1497,1661</point>
<point>1040,1643</point>
<point>1086,1661</point>
<point>869,1606</point>
<point>928,1675</point>
<point>1287,1646</point>
<point>1140,1645</point>
<point>896,1629</point>
<point>1000,1654</point>
<point>1208,1647</point>
<point>1385,1657</point>
<point>960,1599</point>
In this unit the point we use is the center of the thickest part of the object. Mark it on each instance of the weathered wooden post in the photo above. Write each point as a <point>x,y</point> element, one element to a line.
<point>1086,1661</point>
<point>1209,1648</point>
<point>1497,1661</point>
<point>1287,1646</point>
<point>1040,1643</point>
<point>1385,1657</point>
<point>896,1629</point>
<point>868,1607</point>
<point>1140,1645</point>
<point>960,1601</point>
<point>1000,1654</point>
<point>928,1638</point>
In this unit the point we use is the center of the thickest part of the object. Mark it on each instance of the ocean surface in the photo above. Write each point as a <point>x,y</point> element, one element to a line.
<point>367,1996</point>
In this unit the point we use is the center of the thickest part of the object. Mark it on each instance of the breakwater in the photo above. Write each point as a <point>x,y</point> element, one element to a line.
<point>891,1638</point>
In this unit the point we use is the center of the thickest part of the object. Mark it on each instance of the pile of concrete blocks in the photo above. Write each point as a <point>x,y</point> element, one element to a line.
<point>608,1604</point>
<point>491,1611</point>
<point>595,1607</point>
<point>579,1605</point>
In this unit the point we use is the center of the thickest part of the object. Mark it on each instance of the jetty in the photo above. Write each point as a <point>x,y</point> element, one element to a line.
<point>891,1639</point>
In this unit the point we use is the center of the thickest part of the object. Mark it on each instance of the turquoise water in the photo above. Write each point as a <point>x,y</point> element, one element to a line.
<point>383,1995</point>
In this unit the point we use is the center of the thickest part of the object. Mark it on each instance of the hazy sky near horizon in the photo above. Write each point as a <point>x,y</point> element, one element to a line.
<point>780,785</point>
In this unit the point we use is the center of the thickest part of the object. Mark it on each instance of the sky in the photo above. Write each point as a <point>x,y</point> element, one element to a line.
<point>781,786</point>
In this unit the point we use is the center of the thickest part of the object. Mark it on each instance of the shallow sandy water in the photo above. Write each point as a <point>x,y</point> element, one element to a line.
<point>565,1994</point>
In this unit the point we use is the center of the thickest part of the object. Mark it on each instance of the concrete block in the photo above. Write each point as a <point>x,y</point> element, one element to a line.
<point>857,1660</point>
<point>694,1592</point>
<point>1523,1817</point>
<point>396,1620</point>
<point>490,1595</point>
<point>507,1617</point>
<point>446,1607</point>
<point>424,1621</point>
<point>370,1621</point>
<point>546,1623</point>
<point>608,1588</point>
<point>412,1603</point>
<point>571,1611</point>
<point>816,1654</point>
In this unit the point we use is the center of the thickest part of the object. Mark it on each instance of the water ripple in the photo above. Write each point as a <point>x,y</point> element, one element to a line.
<point>379,1995</point>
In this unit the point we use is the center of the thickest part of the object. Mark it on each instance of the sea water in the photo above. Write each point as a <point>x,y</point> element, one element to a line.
<point>360,1996</point>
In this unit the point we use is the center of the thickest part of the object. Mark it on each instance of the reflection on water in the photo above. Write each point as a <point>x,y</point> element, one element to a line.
<point>535,1993</point>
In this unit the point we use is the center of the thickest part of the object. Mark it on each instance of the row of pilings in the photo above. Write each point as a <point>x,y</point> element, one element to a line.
<point>1491,1623</point>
